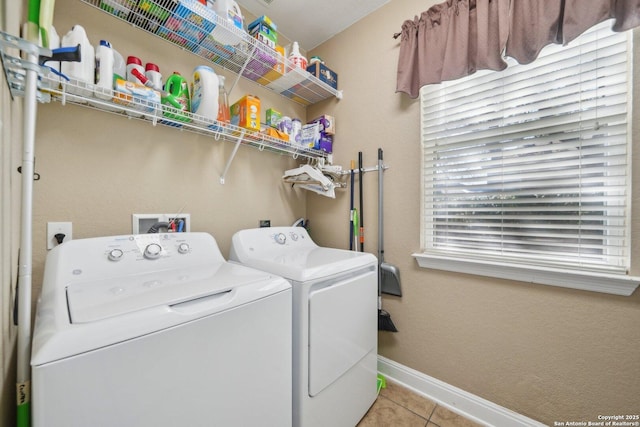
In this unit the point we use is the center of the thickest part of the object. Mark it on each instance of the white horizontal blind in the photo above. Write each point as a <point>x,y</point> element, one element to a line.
<point>530,164</point>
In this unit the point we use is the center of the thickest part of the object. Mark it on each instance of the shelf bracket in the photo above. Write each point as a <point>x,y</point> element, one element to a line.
<point>230,159</point>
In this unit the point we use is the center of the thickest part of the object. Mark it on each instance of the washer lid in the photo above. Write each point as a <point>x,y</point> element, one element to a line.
<point>311,263</point>
<point>101,299</point>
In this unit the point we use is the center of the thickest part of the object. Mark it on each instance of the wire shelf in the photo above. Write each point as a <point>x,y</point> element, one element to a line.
<point>196,28</point>
<point>111,101</point>
<point>54,88</point>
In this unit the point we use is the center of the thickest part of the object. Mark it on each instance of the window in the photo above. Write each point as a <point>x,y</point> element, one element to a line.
<point>526,172</point>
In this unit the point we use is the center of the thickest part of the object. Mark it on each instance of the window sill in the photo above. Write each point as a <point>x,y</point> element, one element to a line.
<point>588,281</point>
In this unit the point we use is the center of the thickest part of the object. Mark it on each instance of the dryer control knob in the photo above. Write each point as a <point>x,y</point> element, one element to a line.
<point>281,238</point>
<point>115,255</point>
<point>183,248</point>
<point>152,251</point>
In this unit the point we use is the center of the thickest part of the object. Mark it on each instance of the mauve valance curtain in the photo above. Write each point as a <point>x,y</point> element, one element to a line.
<point>458,37</point>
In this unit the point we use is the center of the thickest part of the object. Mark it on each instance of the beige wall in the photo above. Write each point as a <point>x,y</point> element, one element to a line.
<point>549,353</point>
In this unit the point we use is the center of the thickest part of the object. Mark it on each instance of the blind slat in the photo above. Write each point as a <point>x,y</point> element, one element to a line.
<point>531,163</point>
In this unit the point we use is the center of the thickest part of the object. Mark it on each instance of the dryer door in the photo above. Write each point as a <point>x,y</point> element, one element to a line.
<point>342,326</point>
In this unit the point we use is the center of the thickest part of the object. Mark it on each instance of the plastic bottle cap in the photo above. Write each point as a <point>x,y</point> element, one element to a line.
<point>105,43</point>
<point>151,67</point>
<point>134,60</point>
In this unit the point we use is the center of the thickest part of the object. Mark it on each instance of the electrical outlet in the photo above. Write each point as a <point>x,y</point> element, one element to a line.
<point>58,228</point>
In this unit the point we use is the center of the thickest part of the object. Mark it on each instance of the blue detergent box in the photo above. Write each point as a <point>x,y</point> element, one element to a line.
<point>324,73</point>
<point>189,24</point>
<point>264,20</point>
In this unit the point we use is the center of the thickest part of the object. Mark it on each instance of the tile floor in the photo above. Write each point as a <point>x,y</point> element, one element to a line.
<point>397,406</point>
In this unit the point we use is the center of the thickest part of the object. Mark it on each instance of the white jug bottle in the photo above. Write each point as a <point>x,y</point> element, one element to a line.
<point>54,43</point>
<point>296,59</point>
<point>204,95</point>
<point>80,74</point>
<point>104,70</point>
<point>229,32</point>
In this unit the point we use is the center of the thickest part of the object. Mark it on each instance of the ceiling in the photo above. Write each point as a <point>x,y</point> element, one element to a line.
<point>311,22</point>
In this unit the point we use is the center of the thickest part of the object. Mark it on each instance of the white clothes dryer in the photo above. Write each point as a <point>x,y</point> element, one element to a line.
<point>334,321</point>
<point>159,330</point>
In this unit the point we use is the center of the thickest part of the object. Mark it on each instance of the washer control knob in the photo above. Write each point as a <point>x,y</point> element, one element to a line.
<point>294,236</point>
<point>115,255</point>
<point>152,251</point>
<point>183,248</point>
<point>281,238</point>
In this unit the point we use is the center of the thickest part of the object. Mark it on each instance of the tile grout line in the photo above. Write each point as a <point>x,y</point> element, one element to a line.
<point>427,420</point>
<point>431,415</point>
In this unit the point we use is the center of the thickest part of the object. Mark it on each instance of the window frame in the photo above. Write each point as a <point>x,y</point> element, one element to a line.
<point>583,279</point>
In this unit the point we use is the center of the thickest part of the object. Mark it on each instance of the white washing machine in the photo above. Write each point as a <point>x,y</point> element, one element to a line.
<point>335,322</point>
<point>159,330</point>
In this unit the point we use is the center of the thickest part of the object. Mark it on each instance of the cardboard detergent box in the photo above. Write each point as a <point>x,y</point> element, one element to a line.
<point>246,113</point>
<point>323,73</point>
<point>146,99</point>
<point>327,124</point>
<point>272,117</point>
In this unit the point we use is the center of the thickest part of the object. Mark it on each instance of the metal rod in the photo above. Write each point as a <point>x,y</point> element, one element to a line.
<point>23,378</point>
<point>233,154</point>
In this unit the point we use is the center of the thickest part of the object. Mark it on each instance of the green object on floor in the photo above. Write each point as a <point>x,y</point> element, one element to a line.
<point>382,383</point>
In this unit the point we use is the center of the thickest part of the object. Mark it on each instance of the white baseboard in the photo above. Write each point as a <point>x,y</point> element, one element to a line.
<point>459,401</point>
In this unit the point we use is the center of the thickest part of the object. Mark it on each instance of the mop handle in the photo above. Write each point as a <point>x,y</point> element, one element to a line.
<point>380,209</point>
<point>351,213</point>
<point>361,202</point>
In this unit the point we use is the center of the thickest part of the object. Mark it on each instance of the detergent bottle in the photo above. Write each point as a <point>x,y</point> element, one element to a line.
<point>104,70</point>
<point>54,43</point>
<point>296,58</point>
<point>104,75</point>
<point>119,66</point>
<point>204,94</point>
<point>228,33</point>
<point>152,72</point>
<point>134,69</point>
<point>80,74</point>
<point>176,95</point>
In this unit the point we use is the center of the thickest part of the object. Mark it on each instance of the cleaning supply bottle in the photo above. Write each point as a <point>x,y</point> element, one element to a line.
<point>176,95</point>
<point>295,57</point>
<point>54,43</point>
<point>104,70</point>
<point>204,94</point>
<point>134,63</point>
<point>224,116</point>
<point>230,17</point>
<point>119,66</point>
<point>80,74</point>
<point>152,72</point>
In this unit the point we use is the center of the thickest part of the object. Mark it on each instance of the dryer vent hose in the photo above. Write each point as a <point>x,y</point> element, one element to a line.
<point>157,226</point>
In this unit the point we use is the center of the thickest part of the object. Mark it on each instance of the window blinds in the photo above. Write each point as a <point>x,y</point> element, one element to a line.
<point>530,164</point>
